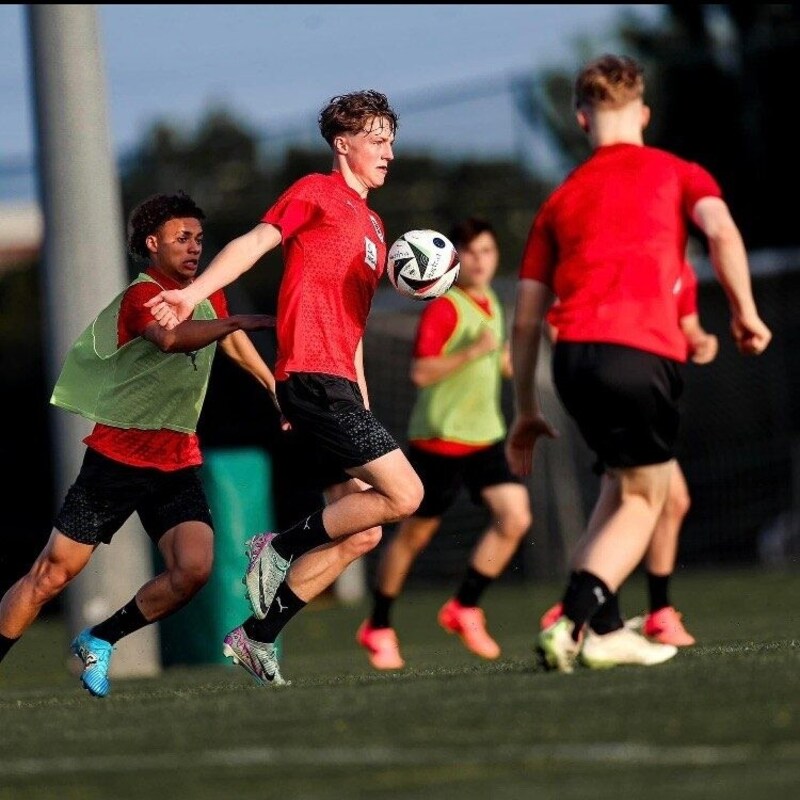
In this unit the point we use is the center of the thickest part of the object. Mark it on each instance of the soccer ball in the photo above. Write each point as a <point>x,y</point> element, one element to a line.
<point>422,264</point>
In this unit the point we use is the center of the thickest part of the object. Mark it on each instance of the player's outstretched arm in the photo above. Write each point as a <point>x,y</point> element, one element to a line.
<point>193,334</point>
<point>173,306</point>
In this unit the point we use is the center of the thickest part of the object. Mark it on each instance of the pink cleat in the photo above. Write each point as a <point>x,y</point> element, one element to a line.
<point>551,616</point>
<point>469,622</point>
<point>381,645</point>
<point>665,626</point>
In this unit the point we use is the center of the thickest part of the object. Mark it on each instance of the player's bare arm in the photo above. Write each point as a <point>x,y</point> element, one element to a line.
<point>192,335</point>
<point>176,305</point>
<point>432,369</point>
<point>729,259</point>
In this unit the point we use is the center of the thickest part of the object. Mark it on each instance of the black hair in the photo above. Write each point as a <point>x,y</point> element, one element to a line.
<point>463,232</point>
<point>151,214</point>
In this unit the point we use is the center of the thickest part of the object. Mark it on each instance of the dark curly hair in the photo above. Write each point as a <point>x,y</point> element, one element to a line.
<point>349,113</point>
<point>152,213</point>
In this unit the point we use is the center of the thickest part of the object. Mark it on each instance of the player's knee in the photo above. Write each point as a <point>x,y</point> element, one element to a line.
<point>406,499</point>
<point>678,504</point>
<point>361,543</point>
<point>515,524</point>
<point>191,573</point>
<point>50,580</point>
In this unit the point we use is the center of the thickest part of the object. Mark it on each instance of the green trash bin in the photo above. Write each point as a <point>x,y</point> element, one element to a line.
<point>238,485</point>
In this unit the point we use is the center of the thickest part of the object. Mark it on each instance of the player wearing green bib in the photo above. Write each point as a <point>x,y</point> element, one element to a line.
<point>456,435</point>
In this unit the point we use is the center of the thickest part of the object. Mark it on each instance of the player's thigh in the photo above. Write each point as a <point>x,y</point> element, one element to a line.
<point>101,499</point>
<point>175,498</point>
<point>329,414</point>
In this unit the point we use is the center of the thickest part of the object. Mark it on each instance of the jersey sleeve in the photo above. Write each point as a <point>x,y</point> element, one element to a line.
<point>133,316</point>
<point>219,303</point>
<point>436,325</point>
<point>698,183</point>
<point>294,210</point>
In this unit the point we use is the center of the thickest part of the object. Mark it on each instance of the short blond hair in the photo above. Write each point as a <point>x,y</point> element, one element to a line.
<point>609,82</point>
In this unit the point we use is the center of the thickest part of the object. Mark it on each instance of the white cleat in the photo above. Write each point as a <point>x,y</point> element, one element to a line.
<point>623,646</point>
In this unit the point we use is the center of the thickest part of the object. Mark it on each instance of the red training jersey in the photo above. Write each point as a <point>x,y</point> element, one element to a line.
<point>334,250</point>
<point>436,325</point>
<point>164,449</point>
<point>610,243</point>
<point>686,291</point>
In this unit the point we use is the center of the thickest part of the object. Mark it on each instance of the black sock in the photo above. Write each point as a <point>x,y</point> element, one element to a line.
<point>658,591</point>
<point>381,606</point>
<point>607,618</point>
<point>127,620</point>
<point>301,537</point>
<point>285,605</point>
<point>472,587</point>
<point>6,644</point>
<point>584,595</point>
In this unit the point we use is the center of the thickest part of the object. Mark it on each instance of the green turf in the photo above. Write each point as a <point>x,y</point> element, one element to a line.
<point>721,720</point>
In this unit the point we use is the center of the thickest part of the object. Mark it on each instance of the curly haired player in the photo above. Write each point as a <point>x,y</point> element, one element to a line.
<point>143,387</point>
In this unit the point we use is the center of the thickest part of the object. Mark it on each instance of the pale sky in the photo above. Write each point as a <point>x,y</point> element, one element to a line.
<point>274,66</point>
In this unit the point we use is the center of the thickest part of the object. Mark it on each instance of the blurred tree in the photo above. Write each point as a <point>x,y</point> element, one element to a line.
<point>221,166</point>
<point>716,81</point>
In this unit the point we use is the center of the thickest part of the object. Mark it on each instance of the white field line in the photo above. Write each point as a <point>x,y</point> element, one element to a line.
<point>609,753</point>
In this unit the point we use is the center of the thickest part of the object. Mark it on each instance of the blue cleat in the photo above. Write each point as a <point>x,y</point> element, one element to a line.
<point>96,657</point>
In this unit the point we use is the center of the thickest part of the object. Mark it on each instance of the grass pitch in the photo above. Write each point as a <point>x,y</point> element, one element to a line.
<point>720,720</point>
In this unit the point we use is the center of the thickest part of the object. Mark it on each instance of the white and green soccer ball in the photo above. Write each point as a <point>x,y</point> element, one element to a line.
<point>422,264</point>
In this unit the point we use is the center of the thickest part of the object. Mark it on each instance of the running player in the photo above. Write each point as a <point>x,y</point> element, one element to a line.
<point>456,438</point>
<point>334,250</point>
<point>144,387</point>
<point>609,243</point>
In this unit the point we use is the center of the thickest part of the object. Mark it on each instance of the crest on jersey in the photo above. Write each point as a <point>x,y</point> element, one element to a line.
<point>370,253</point>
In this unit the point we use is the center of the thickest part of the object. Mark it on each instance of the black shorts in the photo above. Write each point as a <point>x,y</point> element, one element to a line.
<point>624,401</point>
<point>443,476</point>
<point>106,493</point>
<point>329,421</point>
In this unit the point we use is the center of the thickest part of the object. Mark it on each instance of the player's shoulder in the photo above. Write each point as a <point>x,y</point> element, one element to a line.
<point>141,290</point>
<point>439,309</point>
<point>312,183</point>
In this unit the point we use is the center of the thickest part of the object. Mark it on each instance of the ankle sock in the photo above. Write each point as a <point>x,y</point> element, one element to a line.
<point>303,536</point>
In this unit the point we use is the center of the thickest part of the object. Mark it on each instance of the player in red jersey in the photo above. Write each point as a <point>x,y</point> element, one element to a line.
<point>334,250</point>
<point>609,243</point>
<point>662,622</point>
<point>144,387</point>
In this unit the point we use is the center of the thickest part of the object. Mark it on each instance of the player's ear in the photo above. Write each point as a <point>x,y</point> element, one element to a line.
<point>340,145</point>
<point>583,120</point>
<point>151,243</point>
<point>645,116</point>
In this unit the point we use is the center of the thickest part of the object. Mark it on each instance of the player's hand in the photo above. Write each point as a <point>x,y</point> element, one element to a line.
<point>486,342</point>
<point>750,334</point>
<point>704,348</point>
<point>522,436</point>
<point>170,308</point>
